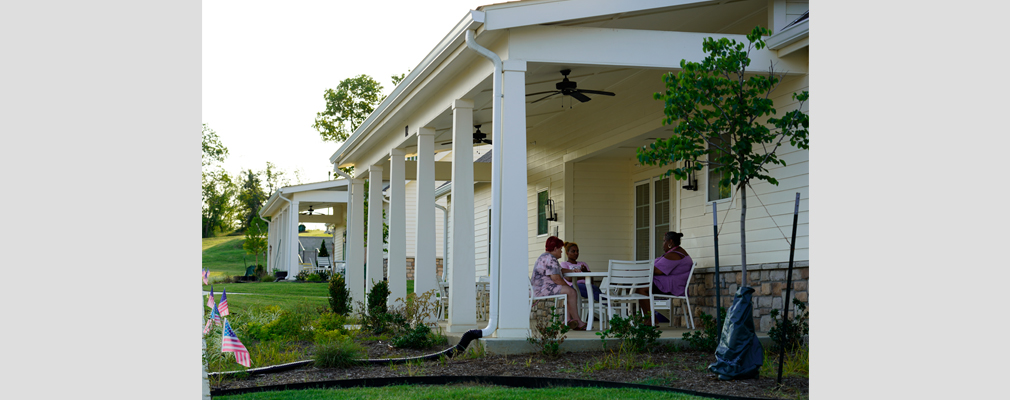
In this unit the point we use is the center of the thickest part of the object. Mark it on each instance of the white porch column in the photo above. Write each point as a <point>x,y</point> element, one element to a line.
<point>292,258</point>
<point>514,255</point>
<point>462,271</point>
<point>397,226</point>
<point>424,262</point>
<point>355,272</point>
<point>374,261</point>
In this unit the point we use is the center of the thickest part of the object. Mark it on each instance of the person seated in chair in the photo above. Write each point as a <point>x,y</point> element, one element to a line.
<point>547,281</point>
<point>670,271</point>
<point>574,265</point>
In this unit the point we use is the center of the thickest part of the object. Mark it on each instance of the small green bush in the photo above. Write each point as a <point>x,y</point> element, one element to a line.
<point>313,278</point>
<point>338,353</point>
<point>795,328</point>
<point>340,297</point>
<point>378,297</point>
<point>418,337</point>
<point>706,338</point>
<point>635,335</point>
<point>322,249</point>
<point>549,334</point>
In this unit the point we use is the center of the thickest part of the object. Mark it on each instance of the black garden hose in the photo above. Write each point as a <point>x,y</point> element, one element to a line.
<point>460,347</point>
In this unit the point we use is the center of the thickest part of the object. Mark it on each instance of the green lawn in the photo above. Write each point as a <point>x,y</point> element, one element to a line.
<point>464,391</point>
<point>224,256</point>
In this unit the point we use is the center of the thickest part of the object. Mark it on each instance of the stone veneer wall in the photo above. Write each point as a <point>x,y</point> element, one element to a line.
<point>410,267</point>
<point>768,281</point>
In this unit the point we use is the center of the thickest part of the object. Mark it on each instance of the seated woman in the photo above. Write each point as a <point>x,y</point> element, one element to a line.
<point>574,265</point>
<point>670,271</point>
<point>547,281</point>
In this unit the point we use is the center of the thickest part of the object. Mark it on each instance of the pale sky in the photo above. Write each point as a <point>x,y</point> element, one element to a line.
<point>266,65</point>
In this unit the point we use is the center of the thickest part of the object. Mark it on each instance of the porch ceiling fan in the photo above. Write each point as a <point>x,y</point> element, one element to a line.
<point>310,211</point>
<point>569,88</point>
<point>478,137</point>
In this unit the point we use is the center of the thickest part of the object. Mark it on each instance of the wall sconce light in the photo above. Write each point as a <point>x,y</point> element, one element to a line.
<point>551,215</point>
<point>692,182</point>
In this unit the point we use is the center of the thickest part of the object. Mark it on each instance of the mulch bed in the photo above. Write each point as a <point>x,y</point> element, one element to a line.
<point>682,369</point>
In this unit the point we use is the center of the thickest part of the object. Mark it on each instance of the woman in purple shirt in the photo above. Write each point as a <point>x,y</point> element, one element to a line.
<point>670,272</point>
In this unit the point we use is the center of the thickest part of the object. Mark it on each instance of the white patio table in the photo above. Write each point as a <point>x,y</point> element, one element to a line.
<point>589,291</point>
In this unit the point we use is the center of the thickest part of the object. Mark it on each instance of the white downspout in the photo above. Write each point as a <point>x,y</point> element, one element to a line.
<point>496,132</point>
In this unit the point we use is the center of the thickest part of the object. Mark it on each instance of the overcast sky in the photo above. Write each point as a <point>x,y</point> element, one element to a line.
<point>266,65</point>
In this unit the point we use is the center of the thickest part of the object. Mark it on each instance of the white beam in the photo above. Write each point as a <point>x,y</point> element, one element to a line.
<point>424,261</point>
<point>462,271</point>
<point>514,258</point>
<point>355,273</point>
<point>629,47</point>
<point>374,261</point>
<point>397,270</point>
<point>292,256</point>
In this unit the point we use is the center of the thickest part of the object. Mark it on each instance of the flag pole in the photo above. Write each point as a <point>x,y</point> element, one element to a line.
<point>789,284</point>
<point>718,287</point>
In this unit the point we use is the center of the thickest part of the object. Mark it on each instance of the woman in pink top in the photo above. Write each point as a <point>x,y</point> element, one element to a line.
<point>574,265</point>
<point>547,280</point>
<point>670,271</point>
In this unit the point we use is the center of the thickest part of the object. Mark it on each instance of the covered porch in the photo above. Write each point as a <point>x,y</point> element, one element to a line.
<point>576,155</point>
<point>290,206</point>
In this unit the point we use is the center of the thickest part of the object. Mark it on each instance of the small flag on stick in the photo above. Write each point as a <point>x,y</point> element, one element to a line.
<point>223,306</point>
<point>230,343</point>
<point>206,328</point>
<point>216,315</point>
<point>206,276</point>
<point>210,300</point>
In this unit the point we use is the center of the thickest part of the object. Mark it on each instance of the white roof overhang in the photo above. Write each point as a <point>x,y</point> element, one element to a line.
<point>790,39</point>
<point>327,194</point>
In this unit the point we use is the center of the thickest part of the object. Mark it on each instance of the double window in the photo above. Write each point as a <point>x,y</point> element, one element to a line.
<point>716,192</point>
<point>652,217</point>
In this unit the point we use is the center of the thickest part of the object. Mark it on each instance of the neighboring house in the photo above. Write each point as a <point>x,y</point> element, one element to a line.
<point>288,207</point>
<point>577,155</point>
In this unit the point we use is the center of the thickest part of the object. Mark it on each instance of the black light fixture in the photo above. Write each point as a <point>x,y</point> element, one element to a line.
<point>310,209</point>
<point>551,215</point>
<point>692,182</point>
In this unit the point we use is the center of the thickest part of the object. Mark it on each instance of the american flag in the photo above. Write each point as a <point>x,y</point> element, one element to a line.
<point>210,300</point>
<point>206,328</point>
<point>223,306</point>
<point>206,276</point>
<point>230,343</point>
<point>215,315</point>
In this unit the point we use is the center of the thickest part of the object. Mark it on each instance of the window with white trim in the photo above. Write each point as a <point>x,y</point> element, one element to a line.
<point>716,192</point>
<point>652,216</point>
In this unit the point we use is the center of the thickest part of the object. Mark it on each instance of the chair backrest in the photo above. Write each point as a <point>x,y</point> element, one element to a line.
<point>627,276</point>
<point>323,261</point>
<point>688,283</point>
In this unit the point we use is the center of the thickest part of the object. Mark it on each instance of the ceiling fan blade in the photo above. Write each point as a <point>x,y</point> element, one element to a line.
<point>595,92</point>
<point>486,141</point>
<point>580,97</point>
<point>545,97</point>
<point>534,94</point>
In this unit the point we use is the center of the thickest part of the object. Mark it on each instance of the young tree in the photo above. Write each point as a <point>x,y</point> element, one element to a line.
<point>718,111</point>
<point>255,242</point>
<point>347,106</point>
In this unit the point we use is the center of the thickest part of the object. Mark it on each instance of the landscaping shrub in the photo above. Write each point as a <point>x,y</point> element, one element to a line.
<point>288,325</point>
<point>340,297</point>
<point>302,276</point>
<point>635,335</point>
<point>795,328</point>
<point>549,334</point>
<point>374,315</point>
<point>313,278</point>
<point>705,339</point>
<point>411,329</point>
<point>338,353</point>
<point>378,297</point>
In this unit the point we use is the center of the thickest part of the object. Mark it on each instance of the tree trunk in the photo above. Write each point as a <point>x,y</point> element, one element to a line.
<point>743,231</point>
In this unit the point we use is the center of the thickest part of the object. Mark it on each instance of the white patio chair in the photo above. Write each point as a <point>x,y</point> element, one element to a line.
<point>599,308</point>
<point>443,303</point>
<point>624,277</point>
<point>562,297</point>
<point>665,301</point>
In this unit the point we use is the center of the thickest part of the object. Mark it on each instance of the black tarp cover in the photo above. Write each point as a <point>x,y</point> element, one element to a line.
<point>739,354</point>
